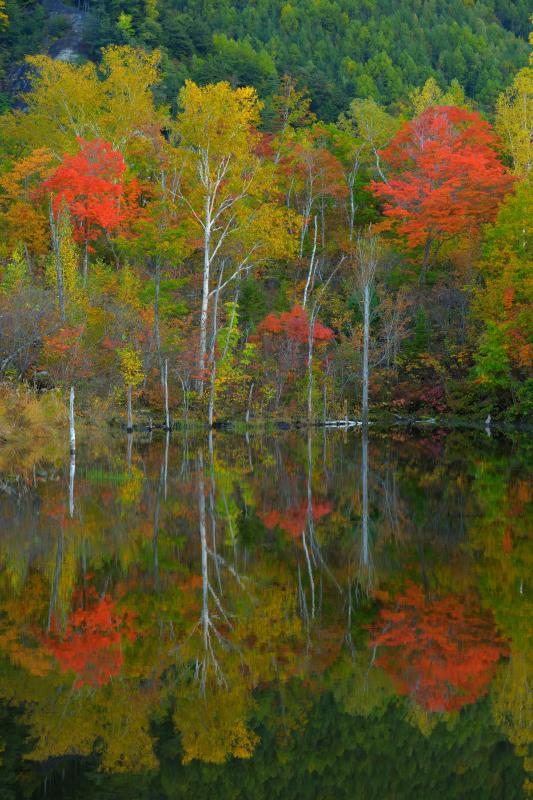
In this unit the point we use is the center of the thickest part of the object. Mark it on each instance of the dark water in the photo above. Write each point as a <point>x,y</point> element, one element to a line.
<point>282,616</point>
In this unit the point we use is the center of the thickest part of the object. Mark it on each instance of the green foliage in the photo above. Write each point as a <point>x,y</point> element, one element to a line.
<point>169,304</point>
<point>252,303</point>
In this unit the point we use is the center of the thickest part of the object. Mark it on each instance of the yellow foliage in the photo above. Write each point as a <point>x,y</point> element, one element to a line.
<point>514,120</point>
<point>512,705</point>
<point>219,119</point>
<point>430,94</point>
<point>213,728</point>
<point>111,101</point>
<point>69,257</point>
<point>129,288</point>
<point>131,366</point>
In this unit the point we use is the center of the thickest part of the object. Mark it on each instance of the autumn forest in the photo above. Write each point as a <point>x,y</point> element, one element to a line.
<point>266,387</point>
<point>297,269</point>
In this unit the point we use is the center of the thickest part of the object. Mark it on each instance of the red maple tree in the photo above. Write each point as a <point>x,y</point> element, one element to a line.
<point>443,652</point>
<point>445,176</point>
<point>91,185</point>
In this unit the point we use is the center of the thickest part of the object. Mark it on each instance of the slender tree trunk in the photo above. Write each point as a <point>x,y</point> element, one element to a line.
<point>248,407</point>
<point>426,260</point>
<point>85,262</point>
<point>129,427</point>
<point>71,422</point>
<point>205,291</point>
<point>212,355</point>
<point>54,231</point>
<point>310,342</point>
<point>351,220</point>
<point>311,270</point>
<point>366,344</point>
<point>157,331</point>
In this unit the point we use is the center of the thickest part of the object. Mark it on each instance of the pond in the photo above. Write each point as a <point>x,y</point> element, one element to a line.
<point>301,614</point>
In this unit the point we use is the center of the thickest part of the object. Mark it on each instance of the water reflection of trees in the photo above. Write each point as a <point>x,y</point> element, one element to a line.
<point>237,563</point>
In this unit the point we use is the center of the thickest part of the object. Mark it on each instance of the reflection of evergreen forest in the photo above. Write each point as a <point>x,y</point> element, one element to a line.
<point>283,616</point>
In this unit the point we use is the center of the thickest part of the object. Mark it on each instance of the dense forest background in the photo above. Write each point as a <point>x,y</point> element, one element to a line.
<point>338,49</point>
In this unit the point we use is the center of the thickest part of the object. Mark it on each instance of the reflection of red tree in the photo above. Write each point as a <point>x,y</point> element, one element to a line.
<point>440,652</point>
<point>92,643</point>
<point>294,520</point>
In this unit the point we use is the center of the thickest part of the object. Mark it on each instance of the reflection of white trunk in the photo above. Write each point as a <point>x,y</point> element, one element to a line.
<point>71,422</point>
<point>205,576</point>
<point>55,579</point>
<point>364,488</point>
<point>130,448</point>
<point>209,659</point>
<point>165,378</point>
<point>167,439</point>
<point>155,532</point>
<point>72,473</point>
<point>365,560</point>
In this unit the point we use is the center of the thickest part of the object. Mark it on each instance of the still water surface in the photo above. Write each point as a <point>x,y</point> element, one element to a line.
<point>298,615</point>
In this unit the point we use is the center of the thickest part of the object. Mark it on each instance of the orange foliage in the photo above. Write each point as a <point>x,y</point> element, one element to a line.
<point>295,325</point>
<point>91,185</point>
<point>446,176</point>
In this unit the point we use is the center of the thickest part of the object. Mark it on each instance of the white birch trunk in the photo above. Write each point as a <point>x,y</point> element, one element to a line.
<point>205,291</point>
<point>311,270</point>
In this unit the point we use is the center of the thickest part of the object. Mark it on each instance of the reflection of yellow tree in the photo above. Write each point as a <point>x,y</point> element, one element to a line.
<point>501,541</point>
<point>512,703</point>
<point>213,728</point>
<point>69,721</point>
